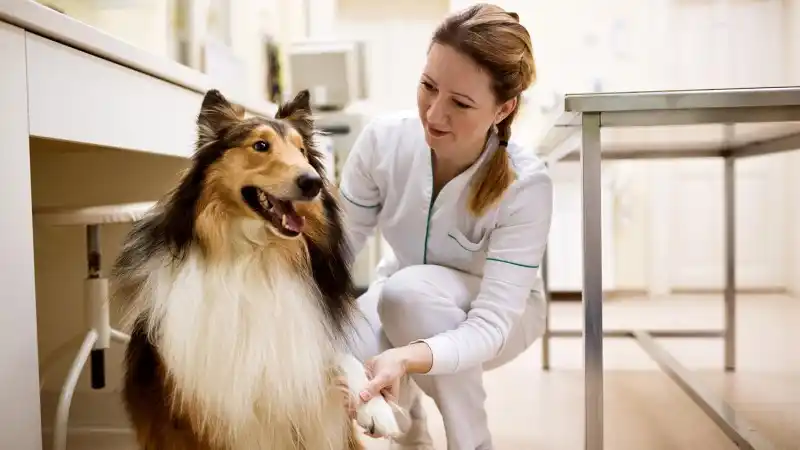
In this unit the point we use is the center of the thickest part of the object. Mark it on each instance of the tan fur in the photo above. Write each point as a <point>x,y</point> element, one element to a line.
<point>229,231</point>
<point>275,169</point>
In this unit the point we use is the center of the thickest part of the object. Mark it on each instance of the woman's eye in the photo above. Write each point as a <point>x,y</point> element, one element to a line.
<point>427,85</point>
<point>260,146</point>
<point>460,104</point>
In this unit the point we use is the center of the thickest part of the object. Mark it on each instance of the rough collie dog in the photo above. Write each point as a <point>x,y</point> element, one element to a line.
<point>237,294</point>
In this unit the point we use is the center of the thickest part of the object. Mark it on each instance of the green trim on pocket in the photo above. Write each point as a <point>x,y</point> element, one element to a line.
<point>356,203</point>
<point>513,263</point>
<point>462,245</point>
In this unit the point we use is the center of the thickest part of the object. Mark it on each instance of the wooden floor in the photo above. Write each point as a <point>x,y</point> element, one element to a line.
<point>531,409</point>
<point>644,409</point>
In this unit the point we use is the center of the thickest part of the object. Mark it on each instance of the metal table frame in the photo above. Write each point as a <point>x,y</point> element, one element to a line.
<point>575,135</point>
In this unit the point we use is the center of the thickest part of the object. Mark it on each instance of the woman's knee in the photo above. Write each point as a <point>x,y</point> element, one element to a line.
<point>418,302</point>
<point>401,291</point>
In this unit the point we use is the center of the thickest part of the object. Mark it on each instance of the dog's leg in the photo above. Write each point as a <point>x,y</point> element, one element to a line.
<point>353,442</point>
<point>376,415</point>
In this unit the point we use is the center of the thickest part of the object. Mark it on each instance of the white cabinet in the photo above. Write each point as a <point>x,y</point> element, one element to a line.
<point>92,100</point>
<point>696,233</point>
<point>19,394</point>
<point>565,247</point>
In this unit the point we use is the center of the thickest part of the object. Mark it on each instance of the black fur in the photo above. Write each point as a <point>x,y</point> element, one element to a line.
<point>330,266</point>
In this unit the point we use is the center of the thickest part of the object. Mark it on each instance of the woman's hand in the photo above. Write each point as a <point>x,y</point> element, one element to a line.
<point>384,372</point>
<point>386,369</point>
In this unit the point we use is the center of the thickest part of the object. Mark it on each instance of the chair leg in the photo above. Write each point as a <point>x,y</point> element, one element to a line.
<point>68,389</point>
<point>119,337</point>
<point>49,362</point>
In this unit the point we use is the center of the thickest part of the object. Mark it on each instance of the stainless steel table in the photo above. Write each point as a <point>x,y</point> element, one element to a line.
<point>726,124</point>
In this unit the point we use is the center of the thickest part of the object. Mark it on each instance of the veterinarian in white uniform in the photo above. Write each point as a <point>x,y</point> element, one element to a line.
<point>462,292</point>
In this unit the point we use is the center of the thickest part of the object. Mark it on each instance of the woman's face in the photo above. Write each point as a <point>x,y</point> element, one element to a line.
<point>456,104</point>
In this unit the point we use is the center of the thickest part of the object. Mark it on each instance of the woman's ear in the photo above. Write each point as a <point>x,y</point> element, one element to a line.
<point>505,109</point>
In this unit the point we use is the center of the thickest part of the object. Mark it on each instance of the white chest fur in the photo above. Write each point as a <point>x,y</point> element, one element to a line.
<point>246,342</point>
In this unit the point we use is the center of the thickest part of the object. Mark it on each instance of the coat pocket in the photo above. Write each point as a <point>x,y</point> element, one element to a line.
<point>466,243</point>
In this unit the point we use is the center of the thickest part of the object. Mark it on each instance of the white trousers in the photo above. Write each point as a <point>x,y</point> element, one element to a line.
<point>430,300</point>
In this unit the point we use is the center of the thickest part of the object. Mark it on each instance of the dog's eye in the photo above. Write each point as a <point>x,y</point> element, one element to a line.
<point>260,146</point>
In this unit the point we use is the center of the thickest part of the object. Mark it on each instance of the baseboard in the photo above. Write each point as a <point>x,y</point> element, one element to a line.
<point>97,420</point>
<point>720,291</point>
<point>617,294</point>
<point>614,294</point>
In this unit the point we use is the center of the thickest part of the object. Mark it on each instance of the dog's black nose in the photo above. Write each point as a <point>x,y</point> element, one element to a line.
<point>310,184</point>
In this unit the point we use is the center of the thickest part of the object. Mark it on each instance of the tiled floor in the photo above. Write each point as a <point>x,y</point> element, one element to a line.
<point>644,409</point>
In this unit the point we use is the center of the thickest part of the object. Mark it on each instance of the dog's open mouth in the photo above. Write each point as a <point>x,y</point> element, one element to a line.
<point>279,213</point>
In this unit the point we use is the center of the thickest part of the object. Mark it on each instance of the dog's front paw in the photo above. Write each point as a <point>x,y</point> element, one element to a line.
<point>376,416</point>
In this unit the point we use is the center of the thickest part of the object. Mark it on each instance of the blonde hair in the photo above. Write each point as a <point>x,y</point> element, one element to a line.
<point>495,40</point>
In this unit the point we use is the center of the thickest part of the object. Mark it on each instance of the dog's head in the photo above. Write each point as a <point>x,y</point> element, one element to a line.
<point>260,167</point>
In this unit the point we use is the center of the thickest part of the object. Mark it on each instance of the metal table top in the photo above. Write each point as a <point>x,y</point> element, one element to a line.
<point>675,124</point>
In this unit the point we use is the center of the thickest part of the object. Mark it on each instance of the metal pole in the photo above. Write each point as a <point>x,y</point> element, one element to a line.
<point>98,360</point>
<point>546,335</point>
<point>592,281</point>
<point>730,263</point>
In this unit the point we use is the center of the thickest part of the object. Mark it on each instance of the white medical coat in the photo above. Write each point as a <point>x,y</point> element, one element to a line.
<point>387,181</point>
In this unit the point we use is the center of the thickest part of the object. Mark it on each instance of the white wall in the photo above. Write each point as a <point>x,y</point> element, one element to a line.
<point>151,24</point>
<point>397,35</point>
<point>125,22</point>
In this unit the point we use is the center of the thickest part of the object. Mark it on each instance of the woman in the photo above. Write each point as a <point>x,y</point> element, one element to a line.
<point>467,214</point>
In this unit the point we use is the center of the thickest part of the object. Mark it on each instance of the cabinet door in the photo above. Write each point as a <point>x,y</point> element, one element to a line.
<point>19,377</point>
<point>565,246</point>
<point>696,233</point>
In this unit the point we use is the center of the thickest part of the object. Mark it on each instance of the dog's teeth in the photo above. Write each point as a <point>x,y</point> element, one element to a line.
<point>284,220</point>
<point>262,198</point>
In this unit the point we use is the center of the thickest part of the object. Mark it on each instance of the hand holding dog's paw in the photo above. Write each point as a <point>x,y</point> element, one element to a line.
<point>377,417</point>
<point>373,413</point>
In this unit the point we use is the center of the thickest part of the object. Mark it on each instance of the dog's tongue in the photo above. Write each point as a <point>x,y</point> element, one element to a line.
<point>293,221</point>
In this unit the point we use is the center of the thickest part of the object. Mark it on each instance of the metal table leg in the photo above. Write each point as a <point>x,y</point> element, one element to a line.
<point>546,334</point>
<point>592,282</point>
<point>730,263</point>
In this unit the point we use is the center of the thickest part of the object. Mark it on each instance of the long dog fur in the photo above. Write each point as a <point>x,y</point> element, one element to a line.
<point>236,332</point>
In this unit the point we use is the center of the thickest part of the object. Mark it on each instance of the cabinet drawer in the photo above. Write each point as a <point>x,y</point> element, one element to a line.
<point>75,96</point>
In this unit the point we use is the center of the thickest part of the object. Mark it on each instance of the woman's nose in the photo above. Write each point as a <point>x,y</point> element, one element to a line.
<point>436,112</point>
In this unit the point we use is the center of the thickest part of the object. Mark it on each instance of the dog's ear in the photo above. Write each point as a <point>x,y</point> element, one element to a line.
<point>216,114</point>
<point>298,112</point>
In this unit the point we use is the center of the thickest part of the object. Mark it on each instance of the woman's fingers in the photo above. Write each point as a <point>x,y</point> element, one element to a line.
<point>390,393</point>
<point>374,387</point>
